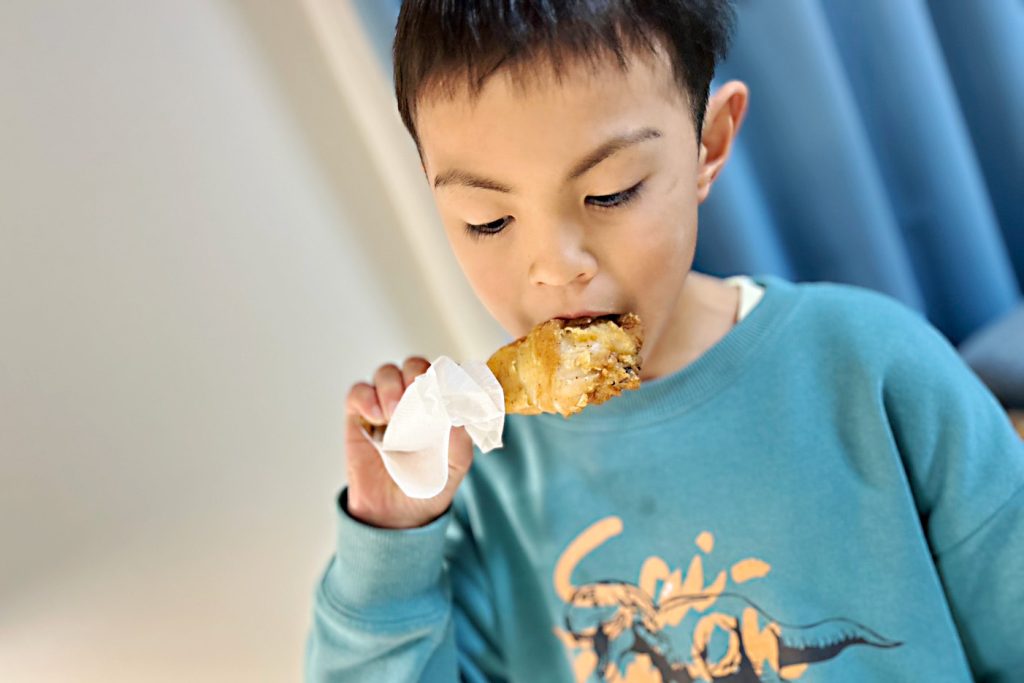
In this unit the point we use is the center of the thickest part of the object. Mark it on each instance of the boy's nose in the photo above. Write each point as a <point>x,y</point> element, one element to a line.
<point>562,258</point>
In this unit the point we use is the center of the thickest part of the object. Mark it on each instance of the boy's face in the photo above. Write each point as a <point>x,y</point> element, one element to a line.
<point>589,188</point>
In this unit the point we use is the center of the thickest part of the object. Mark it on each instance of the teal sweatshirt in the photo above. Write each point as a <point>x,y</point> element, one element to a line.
<point>827,494</point>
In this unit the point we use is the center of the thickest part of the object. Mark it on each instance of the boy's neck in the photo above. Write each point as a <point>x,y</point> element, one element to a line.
<point>705,312</point>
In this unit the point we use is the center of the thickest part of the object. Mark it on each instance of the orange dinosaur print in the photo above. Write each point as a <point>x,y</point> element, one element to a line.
<point>623,632</point>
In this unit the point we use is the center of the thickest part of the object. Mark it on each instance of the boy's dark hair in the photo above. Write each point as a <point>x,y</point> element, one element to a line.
<point>445,43</point>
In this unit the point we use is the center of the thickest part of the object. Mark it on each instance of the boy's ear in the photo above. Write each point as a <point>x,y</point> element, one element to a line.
<point>722,120</point>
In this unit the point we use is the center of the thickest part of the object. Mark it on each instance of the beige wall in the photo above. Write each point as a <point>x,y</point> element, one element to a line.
<point>193,244</point>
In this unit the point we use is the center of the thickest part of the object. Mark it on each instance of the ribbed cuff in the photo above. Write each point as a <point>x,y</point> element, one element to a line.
<point>377,567</point>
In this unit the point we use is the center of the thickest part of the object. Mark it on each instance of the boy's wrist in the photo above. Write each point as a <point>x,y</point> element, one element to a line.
<point>377,519</point>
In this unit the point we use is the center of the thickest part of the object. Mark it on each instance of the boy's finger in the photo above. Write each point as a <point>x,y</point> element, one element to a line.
<point>362,412</point>
<point>412,368</point>
<point>362,403</point>
<point>388,381</point>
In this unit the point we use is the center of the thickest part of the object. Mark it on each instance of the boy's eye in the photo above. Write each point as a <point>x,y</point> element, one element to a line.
<point>605,201</point>
<point>492,228</point>
<point>608,201</point>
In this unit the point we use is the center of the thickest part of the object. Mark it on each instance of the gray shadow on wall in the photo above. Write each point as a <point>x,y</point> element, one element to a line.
<point>299,70</point>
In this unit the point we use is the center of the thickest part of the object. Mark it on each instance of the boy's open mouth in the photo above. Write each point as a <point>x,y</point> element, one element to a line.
<point>574,318</point>
<point>585,320</point>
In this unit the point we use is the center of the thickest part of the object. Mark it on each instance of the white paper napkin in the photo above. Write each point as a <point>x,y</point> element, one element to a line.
<point>415,443</point>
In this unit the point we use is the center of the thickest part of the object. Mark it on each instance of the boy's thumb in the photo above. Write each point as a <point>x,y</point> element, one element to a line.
<point>460,450</point>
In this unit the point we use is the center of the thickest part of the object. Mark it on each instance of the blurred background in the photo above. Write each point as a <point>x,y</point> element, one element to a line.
<point>198,256</point>
<point>212,223</point>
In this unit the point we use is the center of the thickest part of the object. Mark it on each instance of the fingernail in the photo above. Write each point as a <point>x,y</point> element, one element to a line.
<point>377,414</point>
<point>391,408</point>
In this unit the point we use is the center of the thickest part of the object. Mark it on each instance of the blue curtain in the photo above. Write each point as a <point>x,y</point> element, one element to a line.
<point>884,147</point>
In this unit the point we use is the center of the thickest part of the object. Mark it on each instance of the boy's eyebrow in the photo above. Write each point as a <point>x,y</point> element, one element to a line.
<point>609,148</point>
<point>606,149</point>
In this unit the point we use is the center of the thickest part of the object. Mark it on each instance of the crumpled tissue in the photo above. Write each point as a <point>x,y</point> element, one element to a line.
<point>414,446</point>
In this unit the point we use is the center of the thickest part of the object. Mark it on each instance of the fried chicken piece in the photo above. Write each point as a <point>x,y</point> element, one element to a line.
<point>562,366</point>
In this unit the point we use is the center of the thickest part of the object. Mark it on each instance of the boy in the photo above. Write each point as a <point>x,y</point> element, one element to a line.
<point>809,484</point>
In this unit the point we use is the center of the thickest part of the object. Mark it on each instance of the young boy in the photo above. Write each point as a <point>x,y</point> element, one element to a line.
<point>809,484</point>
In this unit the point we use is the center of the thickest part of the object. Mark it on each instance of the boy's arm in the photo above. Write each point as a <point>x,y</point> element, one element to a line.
<point>403,605</point>
<point>966,467</point>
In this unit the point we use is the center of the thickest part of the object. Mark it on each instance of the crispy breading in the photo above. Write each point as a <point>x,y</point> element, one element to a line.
<point>562,366</point>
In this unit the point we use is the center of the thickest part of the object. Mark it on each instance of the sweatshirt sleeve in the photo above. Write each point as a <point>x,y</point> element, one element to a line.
<point>965,464</point>
<point>403,605</point>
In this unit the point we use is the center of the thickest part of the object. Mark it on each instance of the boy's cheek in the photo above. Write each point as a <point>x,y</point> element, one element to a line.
<point>496,288</point>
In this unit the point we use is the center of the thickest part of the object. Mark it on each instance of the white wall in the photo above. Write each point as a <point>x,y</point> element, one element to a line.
<point>191,249</point>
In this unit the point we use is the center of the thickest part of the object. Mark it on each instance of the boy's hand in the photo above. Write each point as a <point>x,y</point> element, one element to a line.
<point>373,497</point>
